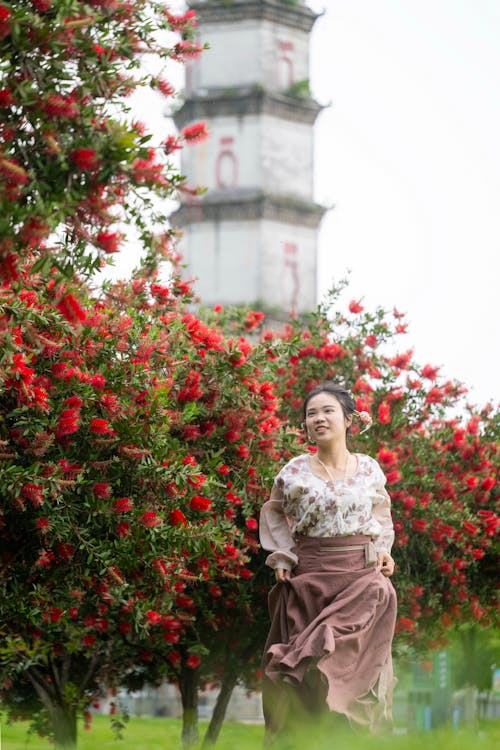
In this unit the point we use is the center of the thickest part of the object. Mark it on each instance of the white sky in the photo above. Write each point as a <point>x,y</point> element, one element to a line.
<point>409,155</point>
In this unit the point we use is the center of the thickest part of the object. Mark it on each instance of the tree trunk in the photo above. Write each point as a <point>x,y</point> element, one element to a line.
<point>219,712</point>
<point>63,720</point>
<point>469,651</point>
<point>188,686</point>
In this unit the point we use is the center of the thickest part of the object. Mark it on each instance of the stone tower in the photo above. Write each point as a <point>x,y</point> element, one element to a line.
<point>252,237</point>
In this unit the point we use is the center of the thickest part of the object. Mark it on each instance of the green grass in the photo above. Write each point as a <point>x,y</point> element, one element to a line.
<point>164,734</point>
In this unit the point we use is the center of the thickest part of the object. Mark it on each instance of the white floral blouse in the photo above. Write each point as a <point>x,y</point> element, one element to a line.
<point>302,502</point>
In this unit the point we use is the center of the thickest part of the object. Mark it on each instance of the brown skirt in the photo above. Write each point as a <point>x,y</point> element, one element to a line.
<point>329,646</point>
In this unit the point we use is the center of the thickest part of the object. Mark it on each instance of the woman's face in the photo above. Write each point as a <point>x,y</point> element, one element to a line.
<point>325,419</point>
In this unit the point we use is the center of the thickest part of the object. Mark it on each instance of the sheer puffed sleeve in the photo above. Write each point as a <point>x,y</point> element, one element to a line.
<point>274,532</point>
<point>381,512</point>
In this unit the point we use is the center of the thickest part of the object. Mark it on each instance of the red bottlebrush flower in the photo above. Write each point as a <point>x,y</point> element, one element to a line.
<point>472,481</point>
<point>164,86</point>
<point>429,372</point>
<point>177,518</point>
<point>5,16</point>
<point>184,601</point>
<point>85,159</point>
<point>160,566</point>
<point>8,267</point>
<point>435,396</point>
<point>253,319</point>
<point>401,327</point>
<point>43,525</point>
<point>122,505</point>
<point>171,144</point>
<point>251,524</point>
<point>11,170</point>
<point>233,435</point>
<point>223,469</point>
<point>190,390</point>
<point>230,551</point>
<point>371,341</point>
<point>109,241</point>
<point>150,519</point>
<point>154,618</point>
<point>33,492</point>
<point>387,457</point>
<point>56,105</point>
<point>404,623</point>
<point>392,477</point>
<point>100,426</point>
<point>54,614</point>
<point>193,661</point>
<point>68,422</point>
<point>182,22</point>
<point>215,591</point>
<point>232,498</point>
<point>246,574</point>
<point>169,637</point>
<point>73,612</point>
<point>195,133</point>
<point>355,307</point>
<point>6,98</point>
<point>42,6</point>
<point>45,559</point>
<point>384,413</point>
<point>98,381</point>
<point>200,503</point>
<point>242,451</point>
<point>65,550</point>
<point>123,528</point>
<point>187,50</point>
<point>401,361</point>
<point>189,461</point>
<point>419,524</point>
<point>470,528</point>
<point>445,567</point>
<point>488,483</point>
<point>88,641</point>
<point>102,489</point>
<point>174,658</point>
<point>125,627</point>
<point>409,502</point>
<point>197,481</point>
<point>70,308</point>
<point>478,554</point>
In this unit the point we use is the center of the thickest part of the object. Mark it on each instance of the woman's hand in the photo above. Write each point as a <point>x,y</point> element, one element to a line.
<point>282,575</point>
<point>385,564</point>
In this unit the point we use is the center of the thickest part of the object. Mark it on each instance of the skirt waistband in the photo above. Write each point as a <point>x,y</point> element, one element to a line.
<point>357,540</point>
<point>324,544</point>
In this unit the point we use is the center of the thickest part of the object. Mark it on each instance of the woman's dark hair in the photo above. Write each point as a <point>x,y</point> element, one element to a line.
<point>342,395</point>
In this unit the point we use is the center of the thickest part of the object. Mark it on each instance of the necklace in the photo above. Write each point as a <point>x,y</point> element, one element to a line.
<point>328,470</point>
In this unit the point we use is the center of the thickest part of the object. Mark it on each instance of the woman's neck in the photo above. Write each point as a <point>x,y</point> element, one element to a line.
<point>334,455</point>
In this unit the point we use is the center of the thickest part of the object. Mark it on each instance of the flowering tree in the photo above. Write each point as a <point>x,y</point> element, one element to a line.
<point>74,170</point>
<point>126,444</point>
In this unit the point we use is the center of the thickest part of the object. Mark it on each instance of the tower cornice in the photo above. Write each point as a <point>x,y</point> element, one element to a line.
<point>246,101</point>
<point>247,205</point>
<point>232,11</point>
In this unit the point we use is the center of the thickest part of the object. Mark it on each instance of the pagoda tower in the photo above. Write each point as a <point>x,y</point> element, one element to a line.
<point>251,238</point>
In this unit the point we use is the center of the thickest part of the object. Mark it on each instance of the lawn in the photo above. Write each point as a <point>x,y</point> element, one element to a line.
<point>164,734</point>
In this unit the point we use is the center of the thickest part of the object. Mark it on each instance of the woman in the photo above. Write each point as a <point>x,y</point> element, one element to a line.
<point>328,527</point>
